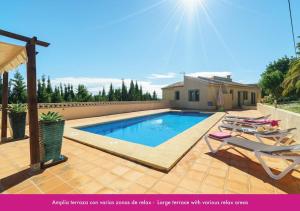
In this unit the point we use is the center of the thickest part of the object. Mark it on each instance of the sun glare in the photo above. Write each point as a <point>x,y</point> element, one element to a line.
<point>191,6</point>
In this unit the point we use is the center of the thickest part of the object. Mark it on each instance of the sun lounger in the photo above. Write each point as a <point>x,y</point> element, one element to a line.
<point>249,118</point>
<point>277,135</point>
<point>251,123</point>
<point>286,153</point>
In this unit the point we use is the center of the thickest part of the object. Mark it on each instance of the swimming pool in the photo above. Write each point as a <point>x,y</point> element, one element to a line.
<point>151,130</point>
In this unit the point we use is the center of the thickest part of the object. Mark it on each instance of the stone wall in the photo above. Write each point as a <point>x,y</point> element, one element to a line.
<point>85,110</point>
<point>288,119</point>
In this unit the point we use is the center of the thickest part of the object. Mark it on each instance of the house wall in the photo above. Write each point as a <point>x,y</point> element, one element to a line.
<point>208,93</point>
<point>237,89</point>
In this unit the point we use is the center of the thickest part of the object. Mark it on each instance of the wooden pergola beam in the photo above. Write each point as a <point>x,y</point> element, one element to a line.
<point>22,38</point>
<point>32,105</point>
<point>35,161</point>
<point>4,106</point>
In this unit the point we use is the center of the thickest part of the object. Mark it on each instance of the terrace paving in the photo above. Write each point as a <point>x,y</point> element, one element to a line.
<point>89,170</point>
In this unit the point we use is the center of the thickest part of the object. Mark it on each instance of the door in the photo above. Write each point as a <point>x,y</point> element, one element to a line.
<point>239,99</point>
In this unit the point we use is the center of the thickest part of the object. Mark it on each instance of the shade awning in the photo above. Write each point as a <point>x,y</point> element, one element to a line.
<point>11,56</point>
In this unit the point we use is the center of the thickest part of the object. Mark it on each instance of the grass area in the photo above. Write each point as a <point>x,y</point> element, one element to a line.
<point>291,106</point>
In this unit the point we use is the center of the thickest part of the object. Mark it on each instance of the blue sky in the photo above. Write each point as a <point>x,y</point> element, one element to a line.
<point>101,41</point>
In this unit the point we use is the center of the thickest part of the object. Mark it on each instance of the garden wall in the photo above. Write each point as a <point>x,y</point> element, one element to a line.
<point>288,119</point>
<point>85,110</point>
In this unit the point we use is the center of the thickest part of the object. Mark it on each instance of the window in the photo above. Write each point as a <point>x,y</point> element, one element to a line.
<point>245,94</point>
<point>253,98</point>
<point>194,95</point>
<point>177,95</point>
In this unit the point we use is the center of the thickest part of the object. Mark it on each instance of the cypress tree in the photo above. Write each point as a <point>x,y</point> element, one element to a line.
<point>43,96</point>
<point>62,94</point>
<point>136,91</point>
<point>56,96</point>
<point>131,91</point>
<point>103,95</point>
<point>18,94</point>
<point>118,95</point>
<point>49,90</point>
<point>154,96</point>
<point>111,93</point>
<point>124,92</point>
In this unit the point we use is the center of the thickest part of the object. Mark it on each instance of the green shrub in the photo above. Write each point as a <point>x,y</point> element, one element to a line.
<point>17,108</point>
<point>51,117</point>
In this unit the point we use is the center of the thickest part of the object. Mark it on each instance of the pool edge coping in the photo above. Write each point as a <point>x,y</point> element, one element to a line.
<point>162,157</point>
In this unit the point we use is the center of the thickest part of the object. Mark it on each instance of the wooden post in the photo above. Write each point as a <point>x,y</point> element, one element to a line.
<point>35,162</point>
<point>4,106</point>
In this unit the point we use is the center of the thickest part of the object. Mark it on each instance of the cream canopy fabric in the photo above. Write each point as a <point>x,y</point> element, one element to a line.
<point>11,56</point>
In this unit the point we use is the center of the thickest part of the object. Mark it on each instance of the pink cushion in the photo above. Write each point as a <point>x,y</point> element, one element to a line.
<point>220,135</point>
<point>265,121</point>
<point>261,121</point>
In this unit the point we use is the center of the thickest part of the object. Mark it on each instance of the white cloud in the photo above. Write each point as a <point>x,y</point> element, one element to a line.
<point>209,74</point>
<point>168,75</point>
<point>94,85</point>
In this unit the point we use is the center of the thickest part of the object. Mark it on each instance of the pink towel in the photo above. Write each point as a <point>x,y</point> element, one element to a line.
<point>272,122</point>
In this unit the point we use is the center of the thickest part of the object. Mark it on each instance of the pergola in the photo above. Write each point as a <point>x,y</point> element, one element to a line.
<point>12,56</point>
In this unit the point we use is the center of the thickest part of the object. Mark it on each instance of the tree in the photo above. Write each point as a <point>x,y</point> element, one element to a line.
<point>49,90</point>
<point>154,96</point>
<point>273,77</point>
<point>42,91</point>
<point>124,92</point>
<point>56,96</point>
<point>131,91</point>
<point>136,92</point>
<point>83,94</point>
<point>118,95</point>
<point>291,83</point>
<point>141,93</point>
<point>18,94</point>
<point>110,95</point>
<point>103,95</point>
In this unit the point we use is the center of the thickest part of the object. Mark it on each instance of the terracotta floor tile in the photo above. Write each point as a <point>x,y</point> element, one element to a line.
<point>237,187</point>
<point>61,189</point>
<point>189,184</point>
<point>172,178</point>
<point>195,175</point>
<point>90,187</point>
<point>120,170</point>
<point>218,172</point>
<point>107,178</point>
<point>30,190</point>
<point>50,184</point>
<point>135,189</point>
<point>79,181</point>
<point>180,190</point>
<point>106,191</point>
<point>214,181</point>
<point>200,167</point>
<point>163,187</point>
<point>146,181</point>
<point>119,185</point>
<point>210,189</point>
<point>132,175</point>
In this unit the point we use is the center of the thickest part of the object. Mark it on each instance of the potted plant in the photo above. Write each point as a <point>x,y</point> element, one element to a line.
<point>51,129</point>
<point>17,119</point>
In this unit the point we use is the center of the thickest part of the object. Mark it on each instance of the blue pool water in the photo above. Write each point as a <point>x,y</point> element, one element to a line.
<point>150,130</point>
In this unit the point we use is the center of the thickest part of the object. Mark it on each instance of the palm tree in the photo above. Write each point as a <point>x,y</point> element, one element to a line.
<point>292,80</point>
